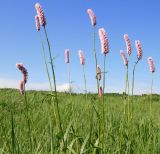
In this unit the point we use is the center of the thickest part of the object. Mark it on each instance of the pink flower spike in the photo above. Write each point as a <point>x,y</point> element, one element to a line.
<point>98,72</point>
<point>24,77</point>
<point>128,44</point>
<point>22,87</point>
<point>67,56</point>
<point>100,91</point>
<point>124,57</point>
<point>40,14</point>
<point>139,49</point>
<point>104,41</point>
<point>81,57</point>
<point>37,23</point>
<point>92,17</point>
<point>151,64</point>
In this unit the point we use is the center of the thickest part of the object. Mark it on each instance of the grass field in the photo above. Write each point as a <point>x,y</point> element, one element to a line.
<point>139,134</point>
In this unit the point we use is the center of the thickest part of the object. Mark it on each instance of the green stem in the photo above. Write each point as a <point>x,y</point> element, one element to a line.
<point>85,86</point>
<point>103,100</point>
<point>151,96</point>
<point>28,122</point>
<point>45,62</point>
<point>95,55</point>
<point>13,134</point>
<point>126,83</point>
<point>54,79</point>
<point>50,84</point>
<point>133,86</point>
<point>69,79</point>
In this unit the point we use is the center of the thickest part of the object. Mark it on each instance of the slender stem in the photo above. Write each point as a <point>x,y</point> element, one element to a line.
<point>95,55</point>
<point>54,79</point>
<point>28,122</point>
<point>69,79</point>
<point>91,121</point>
<point>103,99</point>
<point>126,85</point>
<point>151,96</point>
<point>85,86</point>
<point>13,134</point>
<point>50,84</point>
<point>51,62</point>
<point>133,85</point>
<point>45,62</point>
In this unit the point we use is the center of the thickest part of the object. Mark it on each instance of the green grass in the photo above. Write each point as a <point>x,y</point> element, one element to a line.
<point>139,135</point>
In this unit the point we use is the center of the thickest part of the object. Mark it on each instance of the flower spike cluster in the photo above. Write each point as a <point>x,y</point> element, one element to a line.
<point>128,44</point>
<point>92,17</point>
<point>139,49</point>
<point>124,57</point>
<point>67,56</point>
<point>81,57</point>
<point>104,41</point>
<point>37,23</point>
<point>24,77</point>
<point>100,91</point>
<point>151,64</point>
<point>40,14</point>
<point>98,72</point>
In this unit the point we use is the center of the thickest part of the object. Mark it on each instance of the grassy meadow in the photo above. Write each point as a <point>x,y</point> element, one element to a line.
<point>80,122</point>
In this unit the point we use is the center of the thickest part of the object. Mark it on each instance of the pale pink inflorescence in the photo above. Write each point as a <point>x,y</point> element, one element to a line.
<point>92,17</point>
<point>24,77</point>
<point>37,23</point>
<point>139,49</point>
<point>67,56</point>
<point>40,14</point>
<point>128,44</point>
<point>151,64</point>
<point>104,41</point>
<point>100,91</point>
<point>81,57</point>
<point>124,57</point>
<point>98,72</point>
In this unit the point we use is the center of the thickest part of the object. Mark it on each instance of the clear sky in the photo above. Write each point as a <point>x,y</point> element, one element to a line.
<point>68,26</point>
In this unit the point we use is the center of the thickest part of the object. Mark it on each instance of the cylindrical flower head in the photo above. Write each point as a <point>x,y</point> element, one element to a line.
<point>98,72</point>
<point>104,41</point>
<point>37,23</point>
<point>81,57</point>
<point>40,14</point>
<point>22,87</point>
<point>151,64</point>
<point>128,44</point>
<point>139,49</point>
<point>100,91</point>
<point>67,56</point>
<point>124,57</point>
<point>92,17</point>
<point>24,75</point>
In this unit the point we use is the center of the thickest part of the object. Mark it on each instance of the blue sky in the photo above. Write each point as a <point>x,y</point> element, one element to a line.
<point>68,26</point>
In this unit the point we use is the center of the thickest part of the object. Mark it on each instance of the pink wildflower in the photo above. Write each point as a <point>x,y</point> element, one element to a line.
<point>37,23</point>
<point>24,77</point>
<point>92,17</point>
<point>124,57</point>
<point>139,49</point>
<point>81,57</point>
<point>104,41</point>
<point>40,14</point>
<point>151,64</point>
<point>67,55</point>
<point>100,91</point>
<point>128,44</point>
<point>98,72</point>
